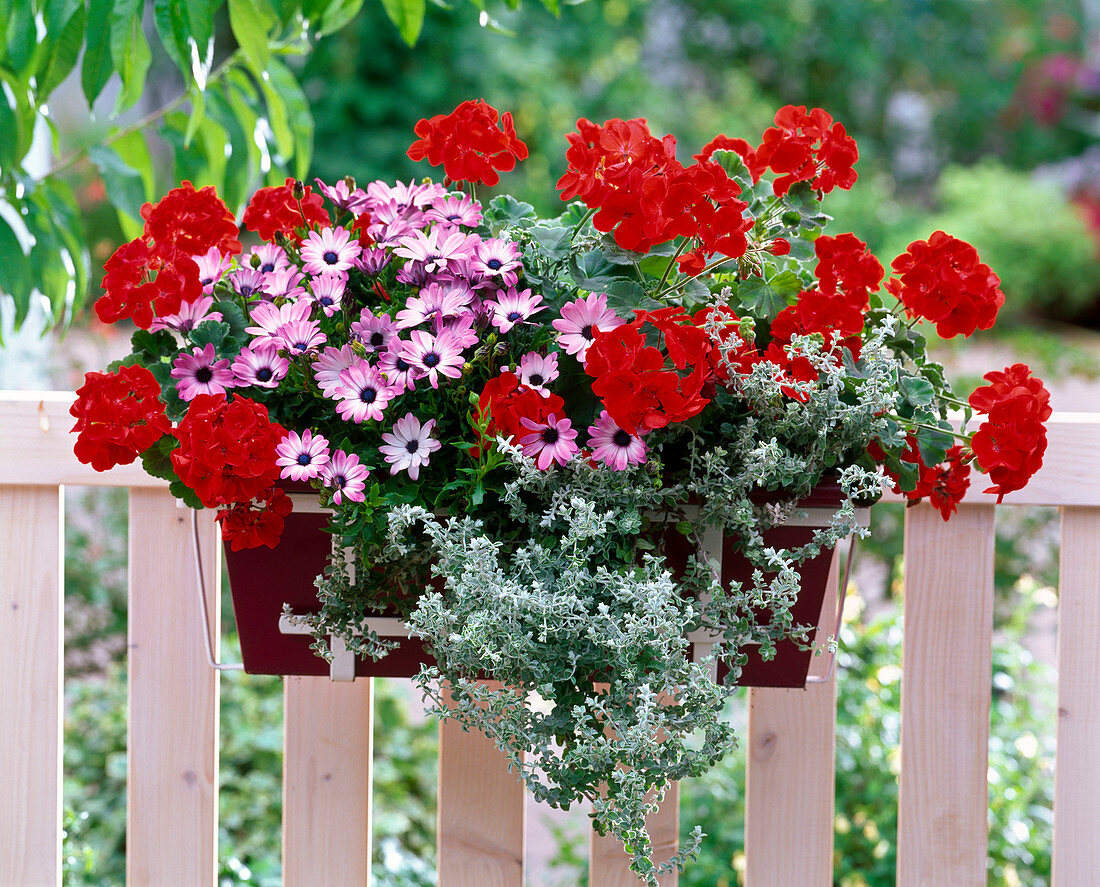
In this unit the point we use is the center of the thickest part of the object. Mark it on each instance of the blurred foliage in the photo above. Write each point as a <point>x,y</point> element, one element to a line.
<point>868,730</point>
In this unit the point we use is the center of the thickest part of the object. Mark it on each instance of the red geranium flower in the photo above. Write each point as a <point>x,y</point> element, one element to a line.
<point>191,222</point>
<point>831,314</point>
<point>943,280</point>
<point>256,522</point>
<point>507,401</point>
<point>806,147</point>
<point>1009,445</point>
<point>118,417</point>
<point>944,485</point>
<point>273,211</point>
<point>845,265</point>
<point>227,449</point>
<point>141,283</point>
<point>469,143</point>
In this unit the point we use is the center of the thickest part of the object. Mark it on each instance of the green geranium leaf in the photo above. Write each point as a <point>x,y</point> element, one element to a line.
<point>210,332</point>
<point>554,242</point>
<point>766,298</point>
<point>933,445</point>
<point>153,347</point>
<point>918,392</point>
<point>505,210</point>
<point>185,494</point>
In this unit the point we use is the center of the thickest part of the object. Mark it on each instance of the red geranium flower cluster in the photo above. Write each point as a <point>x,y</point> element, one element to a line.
<point>637,389</point>
<point>154,274</point>
<point>227,449</point>
<point>943,280</point>
<point>118,417</point>
<point>469,143</point>
<point>1009,445</point>
<point>506,401</point>
<point>257,522</point>
<point>803,146</point>
<point>845,265</point>
<point>834,315</point>
<point>647,197</point>
<point>275,210</point>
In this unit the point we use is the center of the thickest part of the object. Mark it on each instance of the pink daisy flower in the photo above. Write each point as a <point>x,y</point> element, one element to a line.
<point>248,283</point>
<point>372,260</point>
<point>344,195</point>
<point>513,307</point>
<point>389,223</point>
<point>260,365</point>
<point>551,441</point>
<point>302,458</point>
<point>434,355</point>
<point>438,248</point>
<point>284,283</point>
<point>327,291</point>
<point>212,268</point>
<point>461,328</point>
<point>580,319</point>
<point>328,250</point>
<point>269,317</point>
<point>401,374</point>
<point>364,393</point>
<point>455,210</point>
<point>537,371</point>
<point>347,477</point>
<point>328,367</point>
<point>435,300</point>
<point>497,258</point>
<point>614,447</point>
<point>190,315</point>
<point>409,446</point>
<point>200,372</point>
<point>265,258</point>
<point>410,195</point>
<point>300,336</point>
<point>374,333</point>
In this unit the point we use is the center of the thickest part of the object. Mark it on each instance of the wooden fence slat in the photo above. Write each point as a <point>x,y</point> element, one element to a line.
<point>608,864</point>
<point>790,775</point>
<point>327,782</point>
<point>945,697</point>
<point>1077,768</point>
<point>480,835</point>
<point>31,610</point>
<point>172,738</point>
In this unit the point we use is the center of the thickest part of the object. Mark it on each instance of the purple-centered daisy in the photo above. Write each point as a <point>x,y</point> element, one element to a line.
<point>551,441</point>
<point>212,268</point>
<point>260,365</point>
<point>269,317</point>
<point>300,336</point>
<point>190,315</point>
<point>409,446</point>
<point>375,333</point>
<point>498,259</point>
<point>327,291</point>
<point>344,195</point>
<point>265,258</point>
<point>438,248</point>
<point>614,447</point>
<point>302,458</point>
<point>389,223</point>
<point>284,283</point>
<point>373,259</point>
<point>401,374</point>
<point>435,300</point>
<point>512,307</point>
<point>248,283</point>
<point>344,473</point>
<point>455,210</point>
<point>364,393</point>
<point>434,355</point>
<point>537,371</point>
<point>405,196</point>
<point>461,327</point>
<point>328,250</point>
<point>327,368</point>
<point>200,372</point>
<point>580,319</point>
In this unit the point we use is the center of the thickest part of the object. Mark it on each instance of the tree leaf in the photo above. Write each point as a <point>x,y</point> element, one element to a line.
<point>16,275</point>
<point>96,69</point>
<point>22,39</point>
<point>55,66</point>
<point>57,197</point>
<point>130,52</point>
<point>251,21</point>
<point>198,113</point>
<point>337,14</point>
<point>299,115</point>
<point>407,16</point>
<point>123,182</point>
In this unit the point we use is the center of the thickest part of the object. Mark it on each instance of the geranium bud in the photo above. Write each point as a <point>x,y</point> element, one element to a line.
<point>298,189</point>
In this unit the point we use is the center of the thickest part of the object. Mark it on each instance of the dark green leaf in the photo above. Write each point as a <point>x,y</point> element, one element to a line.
<point>210,332</point>
<point>16,275</point>
<point>933,445</point>
<point>130,52</point>
<point>506,211</point>
<point>123,182</point>
<point>766,298</point>
<point>918,392</point>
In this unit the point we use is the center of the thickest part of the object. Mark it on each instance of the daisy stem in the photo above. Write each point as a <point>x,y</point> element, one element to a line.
<point>671,262</point>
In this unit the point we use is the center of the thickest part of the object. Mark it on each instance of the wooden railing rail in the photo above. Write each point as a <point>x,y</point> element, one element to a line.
<point>173,705</point>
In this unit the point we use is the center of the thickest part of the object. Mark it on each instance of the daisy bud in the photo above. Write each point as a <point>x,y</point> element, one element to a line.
<point>254,261</point>
<point>359,348</point>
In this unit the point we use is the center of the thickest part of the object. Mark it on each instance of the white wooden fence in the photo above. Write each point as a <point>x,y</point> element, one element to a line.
<point>790,747</point>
